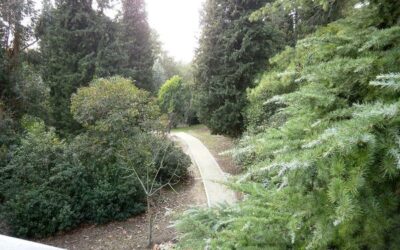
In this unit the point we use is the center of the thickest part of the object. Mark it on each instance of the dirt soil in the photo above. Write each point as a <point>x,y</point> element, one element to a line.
<point>4,229</point>
<point>132,233</point>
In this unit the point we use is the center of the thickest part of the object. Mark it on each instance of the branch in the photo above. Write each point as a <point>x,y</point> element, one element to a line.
<point>138,177</point>
<point>160,167</point>
<point>168,182</point>
<point>29,44</point>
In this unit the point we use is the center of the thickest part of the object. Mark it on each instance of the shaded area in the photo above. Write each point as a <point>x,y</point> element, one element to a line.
<point>132,233</point>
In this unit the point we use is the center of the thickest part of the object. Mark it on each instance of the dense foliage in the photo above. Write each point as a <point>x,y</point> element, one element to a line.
<point>79,131</point>
<point>232,51</point>
<point>114,103</point>
<point>138,58</point>
<point>78,43</point>
<point>322,152</point>
<point>69,145</point>
<point>50,185</point>
<point>174,98</point>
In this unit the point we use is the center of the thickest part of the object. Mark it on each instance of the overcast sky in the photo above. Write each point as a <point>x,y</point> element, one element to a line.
<point>177,22</point>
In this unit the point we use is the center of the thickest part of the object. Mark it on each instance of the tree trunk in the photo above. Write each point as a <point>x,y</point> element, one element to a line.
<point>150,221</point>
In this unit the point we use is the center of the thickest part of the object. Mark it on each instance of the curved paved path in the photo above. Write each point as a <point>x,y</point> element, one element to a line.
<point>210,171</point>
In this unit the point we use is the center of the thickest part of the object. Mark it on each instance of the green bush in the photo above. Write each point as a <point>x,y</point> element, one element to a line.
<point>114,104</point>
<point>109,192</point>
<point>34,206</point>
<point>40,212</point>
<point>51,185</point>
<point>174,98</point>
<point>8,138</point>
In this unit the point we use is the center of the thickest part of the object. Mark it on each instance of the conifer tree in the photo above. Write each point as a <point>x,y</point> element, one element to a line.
<point>136,45</point>
<point>69,40</point>
<point>322,169</point>
<point>15,37</point>
<point>232,51</point>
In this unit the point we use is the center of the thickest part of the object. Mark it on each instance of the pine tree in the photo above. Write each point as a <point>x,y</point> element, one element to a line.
<point>232,50</point>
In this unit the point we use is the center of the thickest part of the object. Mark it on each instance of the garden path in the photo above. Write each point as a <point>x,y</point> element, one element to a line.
<point>211,173</point>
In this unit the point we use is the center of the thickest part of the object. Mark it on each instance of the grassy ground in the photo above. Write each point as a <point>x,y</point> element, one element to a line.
<point>217,145</point>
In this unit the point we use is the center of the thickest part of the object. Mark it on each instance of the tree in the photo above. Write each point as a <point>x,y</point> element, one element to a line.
<point>114,104</point>
<point>322,170</point>
<point>15,37</point>
<point>174,100</point>
<point>165,67</point>
<point>127,117</point>
<point>135,41</point>
<point>68,42</point>
<point>149,176</point>
<point>109,53</point>
<point>232,51</point>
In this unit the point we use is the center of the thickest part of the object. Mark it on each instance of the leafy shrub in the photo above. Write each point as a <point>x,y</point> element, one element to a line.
<point>109,190</point>
<point>8,136</point>
<point>114,103</point>
<point>50,185</point>
<point>34,206</point>
<point>39,212</point>
<point>175,100</point>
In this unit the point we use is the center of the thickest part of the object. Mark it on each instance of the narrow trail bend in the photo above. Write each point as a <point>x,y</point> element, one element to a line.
<point>211,173</point>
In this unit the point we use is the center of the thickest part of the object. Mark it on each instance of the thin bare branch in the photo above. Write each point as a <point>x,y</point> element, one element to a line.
<point>159,168</point>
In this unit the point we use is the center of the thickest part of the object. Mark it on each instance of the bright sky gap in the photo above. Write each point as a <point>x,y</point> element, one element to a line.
<point>176,21</point>
<point>178,24</point>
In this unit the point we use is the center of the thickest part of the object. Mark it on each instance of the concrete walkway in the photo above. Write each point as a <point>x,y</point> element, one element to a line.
<point>210,171</point>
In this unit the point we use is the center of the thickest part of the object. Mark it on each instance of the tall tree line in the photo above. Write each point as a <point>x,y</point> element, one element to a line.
<point>238,38</point>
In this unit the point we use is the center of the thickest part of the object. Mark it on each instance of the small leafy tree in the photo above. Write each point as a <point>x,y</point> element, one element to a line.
<point>174,99</point>
<point>165,167</point>
<point>126,117</point>
<point>114,104</point>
